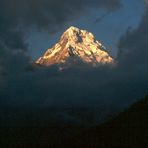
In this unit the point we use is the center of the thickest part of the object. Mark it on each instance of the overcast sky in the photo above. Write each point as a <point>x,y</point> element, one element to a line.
<point>107,27</point>
<point>27,28</point>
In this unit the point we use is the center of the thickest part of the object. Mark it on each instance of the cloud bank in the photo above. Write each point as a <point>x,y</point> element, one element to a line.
<point>23,84</point>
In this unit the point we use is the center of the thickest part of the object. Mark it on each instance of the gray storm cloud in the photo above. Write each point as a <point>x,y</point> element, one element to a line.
<point>146,1</point>
<point>23,84</point>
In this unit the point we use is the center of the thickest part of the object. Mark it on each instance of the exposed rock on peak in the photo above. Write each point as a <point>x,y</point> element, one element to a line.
<point>76,44</point>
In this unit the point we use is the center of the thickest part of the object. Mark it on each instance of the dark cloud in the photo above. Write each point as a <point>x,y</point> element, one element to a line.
<point>133,45</point>
<point>102,17</point>
<point>23,84</point>
<point>49,13</point>
<point>132,57</point>
<point>15,17</point>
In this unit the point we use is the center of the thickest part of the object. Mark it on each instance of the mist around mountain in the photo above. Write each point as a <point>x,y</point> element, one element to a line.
<point>129,129</point>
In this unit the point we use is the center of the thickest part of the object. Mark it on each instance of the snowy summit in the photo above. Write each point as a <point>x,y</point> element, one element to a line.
<point>76,44</point>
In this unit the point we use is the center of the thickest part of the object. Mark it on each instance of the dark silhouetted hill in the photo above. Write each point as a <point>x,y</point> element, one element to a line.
<point>128,130</point>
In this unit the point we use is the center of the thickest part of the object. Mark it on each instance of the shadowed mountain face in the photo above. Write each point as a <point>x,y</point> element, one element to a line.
<point>75,45</point>
<point>128,130</point>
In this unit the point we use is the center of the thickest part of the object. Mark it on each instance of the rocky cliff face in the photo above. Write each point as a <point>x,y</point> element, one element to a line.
<point>77,45</point>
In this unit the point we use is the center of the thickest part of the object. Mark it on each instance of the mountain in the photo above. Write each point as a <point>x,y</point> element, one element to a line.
<point>127,130</point>
<point>76,45</point>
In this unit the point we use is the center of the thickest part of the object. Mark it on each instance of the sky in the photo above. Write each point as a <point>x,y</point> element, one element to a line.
<point>107,26</point>
<point>28,28</point>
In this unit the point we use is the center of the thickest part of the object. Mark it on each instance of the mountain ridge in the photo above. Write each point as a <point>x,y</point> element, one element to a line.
<point>126,130</point>
<point>76,44</point>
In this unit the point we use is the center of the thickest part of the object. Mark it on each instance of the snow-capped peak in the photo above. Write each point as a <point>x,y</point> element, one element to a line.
<point>76,43</point>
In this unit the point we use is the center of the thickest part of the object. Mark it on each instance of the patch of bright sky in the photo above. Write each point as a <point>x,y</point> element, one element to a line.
<point>107,30</point>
